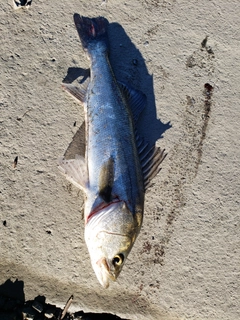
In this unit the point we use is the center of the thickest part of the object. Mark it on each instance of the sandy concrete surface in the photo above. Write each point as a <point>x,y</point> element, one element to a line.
<point>186,262</point>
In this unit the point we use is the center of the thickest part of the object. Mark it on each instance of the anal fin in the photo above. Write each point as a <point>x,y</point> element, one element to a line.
<point>77,145</point>
<point>77,92</point>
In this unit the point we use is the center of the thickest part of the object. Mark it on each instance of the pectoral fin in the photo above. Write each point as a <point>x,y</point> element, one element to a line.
<point>106,179</point>
<point>75,171</point>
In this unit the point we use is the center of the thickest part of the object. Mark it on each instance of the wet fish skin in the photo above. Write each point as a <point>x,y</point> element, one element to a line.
<point>111,173</point>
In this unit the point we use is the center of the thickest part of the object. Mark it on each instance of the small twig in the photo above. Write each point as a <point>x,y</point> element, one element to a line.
<point>204,42</point>
<point>15,162</point>
<point>62,315</point>
<point>20,118</point>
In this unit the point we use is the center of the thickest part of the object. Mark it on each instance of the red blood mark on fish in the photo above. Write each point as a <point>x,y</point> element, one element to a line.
<point>100,207</point>
<point>92,30</point>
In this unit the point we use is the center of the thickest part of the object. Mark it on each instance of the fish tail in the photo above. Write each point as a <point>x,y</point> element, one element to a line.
<point>92,32</point>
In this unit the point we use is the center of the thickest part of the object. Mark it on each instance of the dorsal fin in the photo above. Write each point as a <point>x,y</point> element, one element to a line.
<point>135,99</point>
<point>106,178</point>
<point>151,168</point>
<point>150,159</point>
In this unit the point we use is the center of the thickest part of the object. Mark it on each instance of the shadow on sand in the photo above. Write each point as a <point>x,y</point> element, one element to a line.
<point>14,306</point>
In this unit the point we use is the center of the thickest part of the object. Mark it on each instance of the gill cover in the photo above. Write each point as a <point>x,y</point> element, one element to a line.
<point>110,235</point>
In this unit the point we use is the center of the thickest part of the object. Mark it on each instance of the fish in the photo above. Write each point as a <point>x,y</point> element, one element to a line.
<point>117,165</point>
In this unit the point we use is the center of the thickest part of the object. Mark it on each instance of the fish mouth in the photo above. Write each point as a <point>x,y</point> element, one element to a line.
<point>103,272</point>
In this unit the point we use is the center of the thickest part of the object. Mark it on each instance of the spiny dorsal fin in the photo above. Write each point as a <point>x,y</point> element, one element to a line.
<point>135,99</point>
<point>77,92</point>
<point>152,168</point>
<point>75,171</point>
<point>106,178</point>
<point>150,159</point>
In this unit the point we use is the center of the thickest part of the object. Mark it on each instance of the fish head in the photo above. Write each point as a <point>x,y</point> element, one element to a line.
<point>110,235</point>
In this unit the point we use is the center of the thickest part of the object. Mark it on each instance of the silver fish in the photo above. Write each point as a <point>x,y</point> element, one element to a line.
<point>118,165</point>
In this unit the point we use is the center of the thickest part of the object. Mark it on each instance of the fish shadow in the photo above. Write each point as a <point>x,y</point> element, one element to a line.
<point>74,73</point>
<point>130,68</point>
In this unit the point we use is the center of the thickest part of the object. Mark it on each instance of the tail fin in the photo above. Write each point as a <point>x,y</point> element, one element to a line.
<point>92,31</point>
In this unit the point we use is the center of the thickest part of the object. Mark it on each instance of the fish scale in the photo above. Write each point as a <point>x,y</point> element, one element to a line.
<point>110,132</point>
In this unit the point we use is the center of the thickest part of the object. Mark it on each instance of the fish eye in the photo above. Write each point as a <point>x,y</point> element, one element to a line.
<point>118,259</point>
